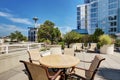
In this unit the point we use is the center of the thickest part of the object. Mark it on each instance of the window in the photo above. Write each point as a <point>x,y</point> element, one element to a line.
<point>114,11</point>
<point>94,15</point>
<point>94,10</point>
<point>78,27</point>
<point>115,29</point>
<point>93,0</point>
<point>111,6</point>
<point>78,17</point>
<point>112,18</point>
<point>113,23</point>
<point>111,29</point>
<point>115,17</point>
<point>78,13</point>
<point>95,4</point>
<point>78,8</point>
<point>111,1</point>
<point>79,24</point>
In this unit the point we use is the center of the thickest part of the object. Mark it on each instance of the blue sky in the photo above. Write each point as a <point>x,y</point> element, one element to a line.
<point>18,14</point>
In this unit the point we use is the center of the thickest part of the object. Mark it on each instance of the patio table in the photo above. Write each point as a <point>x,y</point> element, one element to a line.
<point>59,61</point>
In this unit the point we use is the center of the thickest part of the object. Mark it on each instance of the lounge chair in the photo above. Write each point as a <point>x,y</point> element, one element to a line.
<point>34,55</point>
<point>92,47</point>
<point>69,51</point>
<point>39,72</point>
<point>87,74</point>
<point>56,50</point>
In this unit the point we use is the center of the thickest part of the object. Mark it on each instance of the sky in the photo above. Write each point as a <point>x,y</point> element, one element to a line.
<point>18,14</point>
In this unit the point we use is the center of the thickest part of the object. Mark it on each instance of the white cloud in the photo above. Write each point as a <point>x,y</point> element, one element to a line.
<point>3,14</point>
<point>6,29</point>
<point>5,10</point>
<point>21,20</point>
<point>14,19</point>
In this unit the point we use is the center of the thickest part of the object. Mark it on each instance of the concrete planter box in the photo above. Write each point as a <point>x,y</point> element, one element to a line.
<point>107,49</point>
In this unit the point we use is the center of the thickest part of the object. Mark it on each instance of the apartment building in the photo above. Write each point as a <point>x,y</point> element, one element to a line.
<point>104,14</point>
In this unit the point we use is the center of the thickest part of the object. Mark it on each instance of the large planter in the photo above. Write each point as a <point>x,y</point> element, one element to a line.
<point>107,49</point>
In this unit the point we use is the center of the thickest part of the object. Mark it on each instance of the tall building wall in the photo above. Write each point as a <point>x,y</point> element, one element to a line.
<point>118,16</point>
<point>104,14</point>
<point>86,1</point>
<point>82,16</point>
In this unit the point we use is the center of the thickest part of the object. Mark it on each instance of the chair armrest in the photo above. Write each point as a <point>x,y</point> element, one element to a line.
<point>55,76</point>
<point>35,60</point>
<point>81,68</point>
<point>86,61</point>
<point>85,69</point>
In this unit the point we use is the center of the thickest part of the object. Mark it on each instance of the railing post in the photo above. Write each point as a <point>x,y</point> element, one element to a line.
<point>28,47</point>
<point>6,49</point>
<point>39,45</point>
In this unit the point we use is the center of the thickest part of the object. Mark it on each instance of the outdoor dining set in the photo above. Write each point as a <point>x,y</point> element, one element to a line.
<point>59,65</point>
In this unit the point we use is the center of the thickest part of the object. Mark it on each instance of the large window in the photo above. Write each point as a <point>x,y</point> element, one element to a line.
<point>94,10</point>
<point>78,8</point>
<point>92,0</point>
<point>95,4</point>
<point>78,17</point>
<point>111,12</point>
<point>94,20</point>
<point>110,18</point>
<point>111,6</point>
<point>113,23</point>
<point>111,1</point>
<point>78,13</point>
<point>113,29</point>
<point>94,15</point>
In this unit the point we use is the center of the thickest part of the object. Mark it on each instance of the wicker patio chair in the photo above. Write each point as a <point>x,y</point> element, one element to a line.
<point>34,55</point>
<point>89,74</point>
<point>69,51</point>
<point>39,72</point>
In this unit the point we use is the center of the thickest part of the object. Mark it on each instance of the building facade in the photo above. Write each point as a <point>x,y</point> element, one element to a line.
<point>104,14</point>
<point>32,34</point>
<point>83,17</point>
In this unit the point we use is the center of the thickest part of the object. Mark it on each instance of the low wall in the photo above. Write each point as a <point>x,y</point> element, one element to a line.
<point>11,60</point>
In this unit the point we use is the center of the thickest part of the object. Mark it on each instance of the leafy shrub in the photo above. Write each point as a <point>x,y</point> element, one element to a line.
<point>47,41</point>
<point>62,44</point>
<point>117,43</point>
<point>105,39</point>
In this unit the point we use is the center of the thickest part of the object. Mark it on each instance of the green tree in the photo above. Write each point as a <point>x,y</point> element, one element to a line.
<point>71,37</point>
<point>96,34</point>
<point>17,36</point>
<point>48,32</point>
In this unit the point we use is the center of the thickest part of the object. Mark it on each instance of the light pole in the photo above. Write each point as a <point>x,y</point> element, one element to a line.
<point>36,29</point>
<point>35,19</point>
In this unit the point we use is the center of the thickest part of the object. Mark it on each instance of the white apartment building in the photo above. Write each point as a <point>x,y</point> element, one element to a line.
<point>83,18</point>
<point>104,14</point>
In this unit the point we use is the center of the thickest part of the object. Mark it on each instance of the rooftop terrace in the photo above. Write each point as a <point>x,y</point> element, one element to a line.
<point>109,69</point>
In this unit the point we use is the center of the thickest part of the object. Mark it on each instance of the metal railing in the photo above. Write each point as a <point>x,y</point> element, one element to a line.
<point>6,48</point>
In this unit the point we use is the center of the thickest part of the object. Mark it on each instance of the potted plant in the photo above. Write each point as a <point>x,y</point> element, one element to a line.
<point>106,44</point>
<point>117,44</point>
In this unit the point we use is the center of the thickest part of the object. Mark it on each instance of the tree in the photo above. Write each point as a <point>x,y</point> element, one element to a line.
<point>96,34</point>
<point>71,37</point>
<point>48,32</point>
<point>17,36</point>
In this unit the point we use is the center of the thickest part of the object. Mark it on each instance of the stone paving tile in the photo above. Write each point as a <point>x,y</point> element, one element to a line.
<point>109,69</point>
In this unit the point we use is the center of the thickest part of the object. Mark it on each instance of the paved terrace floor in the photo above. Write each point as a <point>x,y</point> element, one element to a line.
<point>109,69</point>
